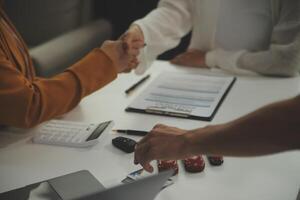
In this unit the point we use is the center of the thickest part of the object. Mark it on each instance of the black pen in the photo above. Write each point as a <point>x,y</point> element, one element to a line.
<point>137,84</point>
<point>132,132</point>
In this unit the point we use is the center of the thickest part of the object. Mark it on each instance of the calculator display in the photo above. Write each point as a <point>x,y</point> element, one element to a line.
<point>98,131</point>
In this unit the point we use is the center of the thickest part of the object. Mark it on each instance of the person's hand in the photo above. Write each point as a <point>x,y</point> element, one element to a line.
<point>190,58</point>
<point>134,38</point>
<point>162,143</point>
<point>123,59</point>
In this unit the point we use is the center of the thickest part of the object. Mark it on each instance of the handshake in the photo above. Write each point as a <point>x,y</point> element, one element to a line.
<point>125,50</point>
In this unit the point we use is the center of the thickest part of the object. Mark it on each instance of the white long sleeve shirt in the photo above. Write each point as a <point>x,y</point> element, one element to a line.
<point>237,35</point>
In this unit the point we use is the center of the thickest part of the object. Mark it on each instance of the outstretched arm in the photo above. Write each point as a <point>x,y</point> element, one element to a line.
<point>274,128</point>
<point>271,129</point>
<point>161,29</point>
<point>26,103</point>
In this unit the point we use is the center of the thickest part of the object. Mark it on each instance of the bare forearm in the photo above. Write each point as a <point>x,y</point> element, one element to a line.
<point>274,128</point>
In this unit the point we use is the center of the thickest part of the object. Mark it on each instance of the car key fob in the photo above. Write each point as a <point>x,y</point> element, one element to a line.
<point>125,144</point>
<point>194,164</point>
<point>164,165</point>
<point>215,160</point>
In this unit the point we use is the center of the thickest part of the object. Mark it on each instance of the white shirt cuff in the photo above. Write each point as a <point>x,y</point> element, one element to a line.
<point>210,59</point>
<point>227,60</point>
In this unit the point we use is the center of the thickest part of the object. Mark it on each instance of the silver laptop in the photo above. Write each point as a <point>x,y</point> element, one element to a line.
<point>84,186</point>
<point>145,189</point>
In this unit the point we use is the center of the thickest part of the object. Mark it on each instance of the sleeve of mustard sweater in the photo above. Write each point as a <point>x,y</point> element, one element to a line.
<point>25,103</point>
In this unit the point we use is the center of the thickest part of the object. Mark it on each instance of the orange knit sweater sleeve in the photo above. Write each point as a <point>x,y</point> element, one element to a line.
<point>25,103</point>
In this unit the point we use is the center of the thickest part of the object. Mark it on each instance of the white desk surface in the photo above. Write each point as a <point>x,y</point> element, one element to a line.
<point>265,178</point>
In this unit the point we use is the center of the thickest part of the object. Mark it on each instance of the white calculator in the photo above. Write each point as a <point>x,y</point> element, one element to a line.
<point>72,134</point>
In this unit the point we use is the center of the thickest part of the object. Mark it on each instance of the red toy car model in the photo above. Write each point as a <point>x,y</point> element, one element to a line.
<point>164,165</point>
<point>215,160</point>
<point>194,164</point>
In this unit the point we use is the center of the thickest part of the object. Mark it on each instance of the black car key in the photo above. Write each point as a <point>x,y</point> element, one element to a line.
<point>125,144</point>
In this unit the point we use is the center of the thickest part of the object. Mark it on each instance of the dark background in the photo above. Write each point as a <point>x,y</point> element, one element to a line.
<point>40,21</point>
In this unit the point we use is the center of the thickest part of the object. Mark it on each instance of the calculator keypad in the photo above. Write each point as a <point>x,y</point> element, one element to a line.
<point>67,132</point>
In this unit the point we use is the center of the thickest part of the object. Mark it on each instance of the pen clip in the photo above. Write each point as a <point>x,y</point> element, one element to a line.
<point>160,112</point>
<point>170,109</point>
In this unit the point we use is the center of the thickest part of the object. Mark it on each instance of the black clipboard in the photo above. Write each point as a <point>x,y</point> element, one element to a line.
<point>183,115</point>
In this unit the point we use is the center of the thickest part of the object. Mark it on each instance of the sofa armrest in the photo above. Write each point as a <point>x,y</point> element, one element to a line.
<point>59,53</point>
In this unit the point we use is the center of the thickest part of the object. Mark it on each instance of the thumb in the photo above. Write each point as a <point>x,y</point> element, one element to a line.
<point>121,47</point>
<point>127,37</point>
<point>125,46</point>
